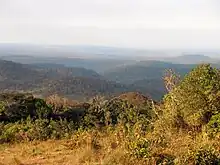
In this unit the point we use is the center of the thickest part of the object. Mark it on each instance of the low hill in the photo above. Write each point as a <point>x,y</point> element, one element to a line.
<point>15,71</point>
<point>135,98</point>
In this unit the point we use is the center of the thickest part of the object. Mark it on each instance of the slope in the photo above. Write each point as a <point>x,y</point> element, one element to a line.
<point>71,82</point>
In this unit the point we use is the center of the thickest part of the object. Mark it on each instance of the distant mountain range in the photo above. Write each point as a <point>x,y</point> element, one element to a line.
<point>191,59</point>
<point>81,83</point>
<point>102,65</point>
<point>26,51</point>
<point>99,65</point>
<point>84,71</point>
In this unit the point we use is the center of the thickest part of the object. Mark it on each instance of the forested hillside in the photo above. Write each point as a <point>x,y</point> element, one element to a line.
<point>151,70</point>
<point>76,83</point>
<point>52,79</point>
<point>80,83</point>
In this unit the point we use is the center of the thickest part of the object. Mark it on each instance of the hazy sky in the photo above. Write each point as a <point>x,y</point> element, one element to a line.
<point>126,23</point>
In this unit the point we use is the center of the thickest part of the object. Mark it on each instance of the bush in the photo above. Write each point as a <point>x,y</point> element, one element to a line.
<point>42,109</point>
<point>117,111</point>
<point>206,157</point>
<point>95,115</point>
<point>192,103</point>
<point>44,129</point>
<point>8,133</point>
<point>2,107</point>
<point>61,129</point>
<point>202,156</point>
<point>139,148</point>
<point>40,129</point>
<point>213,127</point>
<point>19,107</point>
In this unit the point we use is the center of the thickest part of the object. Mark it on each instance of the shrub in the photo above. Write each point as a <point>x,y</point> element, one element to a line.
<point>15,107</point>
<point>2,107</point>
<point>206,157</point>
<point>202,156</point>
<point>95,115</point>
<point>164,159</point>
<point>140,148</point>
<point>195,99</point>
<point>40,129</point>
<point>19,106</point>
<point>61,129</point>
<point>42,109</point>
<point>115,111</point>
<point>10,132</point>
<point>44,129</point>
<point>213,127</point>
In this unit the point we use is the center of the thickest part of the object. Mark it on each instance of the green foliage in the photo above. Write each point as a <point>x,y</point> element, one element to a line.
<point>2,107</point>
<point>62,129</point>
<point>213,127</point>
<point>206,156</point>
<point>18,107</point>
<point>42,109</point>
<point>195,99</point>
<point>8,132</point>
<point>40,129</point>
<point>202,156</point>
<point>44,129</point>
<point>95,115</point>
<point>116,111</point>
<point>139,148</point>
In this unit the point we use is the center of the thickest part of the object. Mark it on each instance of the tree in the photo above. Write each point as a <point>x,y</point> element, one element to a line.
<point>195,99</point>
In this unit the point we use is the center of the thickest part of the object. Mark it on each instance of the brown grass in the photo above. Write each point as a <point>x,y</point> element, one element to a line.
<point>88,149</point>
<point>96,148</point>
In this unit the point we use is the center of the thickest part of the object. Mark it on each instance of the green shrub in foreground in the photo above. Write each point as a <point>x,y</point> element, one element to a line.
<point>40,129</point>
<point>205,155</point>
<point>139,148</point>
<point>192,103</point>
<point>213,127</point>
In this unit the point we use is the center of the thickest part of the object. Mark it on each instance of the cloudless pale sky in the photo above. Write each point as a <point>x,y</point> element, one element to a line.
<point>127,23</point>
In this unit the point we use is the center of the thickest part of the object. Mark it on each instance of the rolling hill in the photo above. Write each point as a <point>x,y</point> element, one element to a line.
<point>45,80</point>
<point>79,83</point>
<point>146,75</point>
<point>144,70</point>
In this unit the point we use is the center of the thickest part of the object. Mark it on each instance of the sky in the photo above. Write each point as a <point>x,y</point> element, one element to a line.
<point>172,24</point>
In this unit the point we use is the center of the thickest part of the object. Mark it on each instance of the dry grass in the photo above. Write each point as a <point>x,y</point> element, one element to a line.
<point>95,148</point>
<point>89,149</point>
